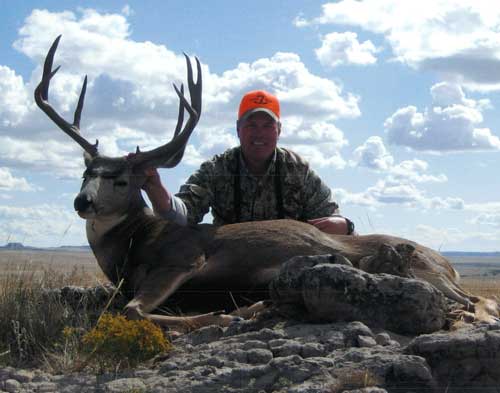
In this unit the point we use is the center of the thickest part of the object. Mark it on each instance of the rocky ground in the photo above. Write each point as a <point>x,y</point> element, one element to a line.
<point>333,328</point>
<point>273,354</point>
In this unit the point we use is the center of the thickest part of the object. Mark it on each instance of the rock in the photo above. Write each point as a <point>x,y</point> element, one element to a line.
<point>86,299</point>
<point>378,366</point>
<point>125,385</point>
<point>281,355</point>
<point>12,386</point>
<point>205,334</point>
<point>259,356</point>
<point>333,292</point>
<point>23,375</point>
<point>390,260</point>
<point>467,357</point>
<point>283,287</point>
<point>383,339</point>
<point>46,387</point>
<point>366,342</point>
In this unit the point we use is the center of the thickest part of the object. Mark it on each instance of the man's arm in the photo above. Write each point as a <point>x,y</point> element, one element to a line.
<point>320,208</point>
<point>164,204</point>
<point>192,201</point>
<point>196,193</point>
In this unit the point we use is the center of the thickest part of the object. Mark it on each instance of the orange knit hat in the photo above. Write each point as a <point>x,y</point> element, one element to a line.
<point>259,101</point>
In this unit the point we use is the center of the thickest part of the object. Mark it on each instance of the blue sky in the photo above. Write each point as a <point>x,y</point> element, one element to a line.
<point>393,103</point>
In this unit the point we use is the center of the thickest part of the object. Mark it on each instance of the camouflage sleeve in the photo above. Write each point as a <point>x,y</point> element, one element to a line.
<point>318,199</point>
<point>196,193</point>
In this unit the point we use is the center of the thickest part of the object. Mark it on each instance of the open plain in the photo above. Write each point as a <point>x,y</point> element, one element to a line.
<point>480,273</point>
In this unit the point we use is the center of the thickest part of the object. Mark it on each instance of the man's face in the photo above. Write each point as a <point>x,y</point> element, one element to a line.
<point>258,136</point>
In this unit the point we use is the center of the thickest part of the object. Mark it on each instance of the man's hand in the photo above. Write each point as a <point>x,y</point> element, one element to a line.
<point>335,225</point>
<point>158,195</point>
<point>153,180</point>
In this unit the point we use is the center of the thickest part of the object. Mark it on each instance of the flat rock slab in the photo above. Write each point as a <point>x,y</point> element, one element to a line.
<point>463,358</point>
<point>319,291</point>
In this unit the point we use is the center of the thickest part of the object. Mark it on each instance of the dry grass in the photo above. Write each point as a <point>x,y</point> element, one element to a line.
<point>37,327</point>
<point>32,318</point>
<point>62,262</point>
<point>487,287</point>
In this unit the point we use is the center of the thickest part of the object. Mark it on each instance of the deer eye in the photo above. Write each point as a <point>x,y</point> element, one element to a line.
<point>120,183</point>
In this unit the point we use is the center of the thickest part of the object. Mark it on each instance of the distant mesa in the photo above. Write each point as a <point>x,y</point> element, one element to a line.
<point>470,253</point>
<point>20,246</point>
<point>14,246</point>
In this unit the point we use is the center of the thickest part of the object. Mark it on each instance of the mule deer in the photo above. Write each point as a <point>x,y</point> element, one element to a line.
<point>157,258</point>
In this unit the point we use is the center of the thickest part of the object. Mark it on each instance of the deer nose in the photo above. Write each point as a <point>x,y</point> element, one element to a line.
<point>82,202</point>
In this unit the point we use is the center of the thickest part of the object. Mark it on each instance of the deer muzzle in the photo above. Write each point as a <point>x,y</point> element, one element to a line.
<point>83,202</point>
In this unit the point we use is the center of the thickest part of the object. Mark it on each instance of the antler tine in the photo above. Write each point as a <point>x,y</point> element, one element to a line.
<point>170,154</point>
<point>42,96</point>
<point>180,116</point>
<point>193,87</point>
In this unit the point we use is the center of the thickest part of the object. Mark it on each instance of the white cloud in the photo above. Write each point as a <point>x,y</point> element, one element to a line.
<point>62,159</point>
<point>319,156</point>
<point>14,101</point>
<point>399,184</point>
<point>399,193</point>
<point>453,238</point>
<point>40,225</point>
<point>284,74</point>
<point>414,171</point>
<point>344,48</point>
<point>388,192</point>
<point>373,154</point>
<point>488,219</point>
<point>130,89</point>
<point>457,37</point>
<point>10,183</point>
<point>451,124</point>
<point>485,207</point>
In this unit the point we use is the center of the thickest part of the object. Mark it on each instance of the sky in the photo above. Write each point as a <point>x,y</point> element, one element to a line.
<point>393,103</point>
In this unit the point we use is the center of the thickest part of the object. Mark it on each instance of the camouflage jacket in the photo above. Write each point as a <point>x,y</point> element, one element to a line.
<point>303,195</point>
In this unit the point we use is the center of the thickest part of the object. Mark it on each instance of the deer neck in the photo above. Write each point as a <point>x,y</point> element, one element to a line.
<point>111,239</point>
<point>99,228</point>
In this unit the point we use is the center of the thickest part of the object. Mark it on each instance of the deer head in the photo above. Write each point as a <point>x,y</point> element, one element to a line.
<point>111,185</point>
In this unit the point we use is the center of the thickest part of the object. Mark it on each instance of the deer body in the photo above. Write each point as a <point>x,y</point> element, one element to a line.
<point>156,258</point>
<point>240,259</point>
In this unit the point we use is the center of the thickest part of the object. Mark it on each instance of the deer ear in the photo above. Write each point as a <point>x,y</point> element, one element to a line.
<point>87,158</point>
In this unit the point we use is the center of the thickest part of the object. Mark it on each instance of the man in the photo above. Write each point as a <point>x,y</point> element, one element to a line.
<point>252,182</point>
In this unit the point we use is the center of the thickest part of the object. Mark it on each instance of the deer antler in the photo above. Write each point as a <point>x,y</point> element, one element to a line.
<point>166,156</point>
<point>170,154</point>
<point>41,98</point>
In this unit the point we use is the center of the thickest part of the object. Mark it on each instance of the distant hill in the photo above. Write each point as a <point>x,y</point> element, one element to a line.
<point>14,246</point>
<point>20,246</point>
<point>470,254</point>
<point>86,248</point>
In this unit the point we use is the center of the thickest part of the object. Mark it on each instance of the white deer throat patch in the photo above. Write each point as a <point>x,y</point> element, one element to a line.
<point>97,228</point>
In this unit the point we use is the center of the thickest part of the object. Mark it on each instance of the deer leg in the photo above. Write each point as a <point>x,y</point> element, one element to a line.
<point>192,322</point>
<point>252,310</point>
<point>449,288</point>
<point>156,287</point>
<point>486,310</point>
